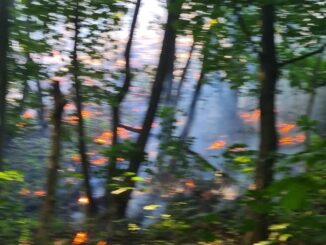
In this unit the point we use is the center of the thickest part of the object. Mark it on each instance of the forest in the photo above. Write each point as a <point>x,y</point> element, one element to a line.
<point>148,122</point>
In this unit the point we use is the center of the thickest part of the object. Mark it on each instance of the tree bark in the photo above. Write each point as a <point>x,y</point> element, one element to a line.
<point>268,133</point>
<point>53,166</point>
<point>113,202</point>
<point>166,57</point>
<point>91,207</point>
<point>4,43</point>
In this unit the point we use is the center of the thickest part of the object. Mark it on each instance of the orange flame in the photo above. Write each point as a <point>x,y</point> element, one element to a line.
<point>104,139</point>
<point>123,133</point>
<point>292,140</point>
<point>99,161</point>
<point>75,158</point>
<point>20,125</point>
<point>83,200</point>
<point>217,145</point>
<point>102,243</point>
<point>73,120</point>
<point>286,127</point>
<point>70,107</point>
<point>251,117</point>
<point>86,114</point>
<point>190,183</point>
<point>28,115</point>
<point>80,238</point>
<point>24,192</point>
<point>40,193</point>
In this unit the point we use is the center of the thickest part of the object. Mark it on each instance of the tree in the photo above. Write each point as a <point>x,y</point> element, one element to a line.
<point>4,42</point>
<point>53,166</point>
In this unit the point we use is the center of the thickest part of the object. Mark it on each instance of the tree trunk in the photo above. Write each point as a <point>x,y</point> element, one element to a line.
<point>91,207</point>
<point>52,174</point>
<point>184,73</point>
<point>4,43</point>
<point>192,107</point>
<point>40,111</point>
<point>166,58</point>
<point>113,201</point>
<point>268,133</point>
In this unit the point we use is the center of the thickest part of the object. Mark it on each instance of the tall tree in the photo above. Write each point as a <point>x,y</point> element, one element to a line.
<point>162,74</point>
<point>53,166</point>
<point>4,43</point>
<point>268,134</point>
<point>91,207</point>
<point>116,105</point>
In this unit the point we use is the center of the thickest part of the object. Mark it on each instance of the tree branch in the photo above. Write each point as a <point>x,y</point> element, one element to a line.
<point>304,56</point>
<point>129,128</point>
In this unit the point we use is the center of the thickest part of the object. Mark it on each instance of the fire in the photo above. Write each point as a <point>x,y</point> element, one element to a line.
<point>73,120</point>
<point>102,243</point>
<point>250,117</point>
<point>39,193</point>
<point>83,200</point>
<point>99,161</point>
<point>123,133</point>
<point>217,145</point>
<point>28,115</point>
<point>20,125</point>
<point>24,192</point>
<point>120,159</point>
<point>70,107</point>
<point>86,114</point>
<point>238,149</point>
<point>80,238</point>
<point>75,158</point>
<point>286,127</point>
<point>190,183</point>
<point>292,140</point>
<point>105,138</point>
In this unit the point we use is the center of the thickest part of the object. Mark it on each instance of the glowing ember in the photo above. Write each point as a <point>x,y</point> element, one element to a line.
<point>101,243</point>
<point>80,238</point>
<point>104,139</point>
<point>20,125</point>
<point>292,140</point>
<point>286,127</point>
<point>70,107</point>
<point>73,120</point>
<point>28,115</point>
<point>24,192</point>
<point>238,149</point>
<point>39,193</point>
<point>123,133</point>
<point>75,158</point>
<point>251,117</point>
<point>217,145</point>
<point>99,161</point>
<point>83,200</point>
<point>120,159</point>
<point>86,114</point>
<point>190,183</point>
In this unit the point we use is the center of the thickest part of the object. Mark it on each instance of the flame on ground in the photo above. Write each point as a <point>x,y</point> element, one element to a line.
<point>286,127</point>
<point>71,119</point>
<point>83,200</point>
<point>28,115</point>
<point>99,161</point>
<point>24,192</point>
<point>106,137</point>
<point>102,243</point>
<point>40,193</point>
<point>251,117</point>
<point>292,140</point>
<point>217,145</point>
<point>80,238</point>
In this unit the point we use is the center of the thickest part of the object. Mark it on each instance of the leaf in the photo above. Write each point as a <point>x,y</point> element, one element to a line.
<point>11,176</point>
<point>151,207</point>
<point>121,190</point>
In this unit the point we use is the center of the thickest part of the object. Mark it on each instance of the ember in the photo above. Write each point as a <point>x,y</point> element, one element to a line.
<point>251,117</point>
<point>83,200</point>
<point>80,238</point>
<point>217,145</point>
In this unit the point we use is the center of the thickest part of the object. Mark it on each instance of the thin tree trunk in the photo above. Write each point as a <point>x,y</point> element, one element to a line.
<point>184,73</point>
<point>268,133</point>
<point>52,174</point>
<point>166,57</point>
<point>113,201</point>
<point>4,43</point>
<point>192,107</point>
<point>24,92</point>
<point>91,207</point>
<point>312,97</point>
<point>40,111</point>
